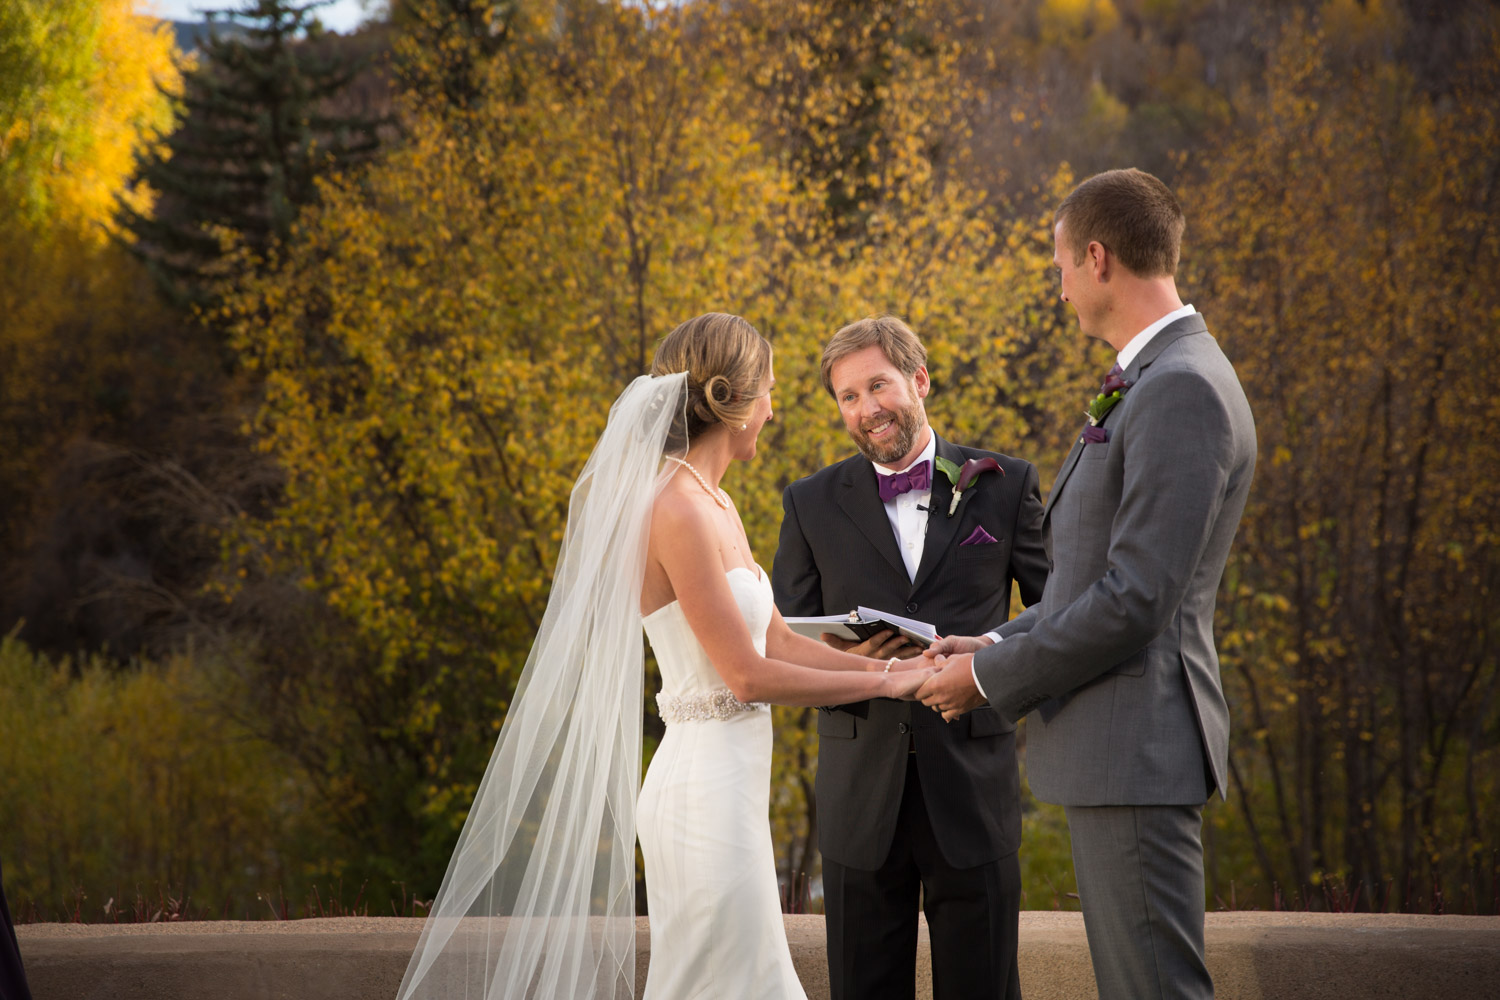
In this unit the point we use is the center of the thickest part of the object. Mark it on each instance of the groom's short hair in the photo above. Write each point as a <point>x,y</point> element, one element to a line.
<point>893,337</point>
<point>1133,214</point>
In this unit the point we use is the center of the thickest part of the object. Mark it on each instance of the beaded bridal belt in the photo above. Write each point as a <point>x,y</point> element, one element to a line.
<point>720,705</point>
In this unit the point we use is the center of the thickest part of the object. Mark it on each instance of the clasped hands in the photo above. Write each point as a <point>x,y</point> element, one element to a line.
<point>946,668</point>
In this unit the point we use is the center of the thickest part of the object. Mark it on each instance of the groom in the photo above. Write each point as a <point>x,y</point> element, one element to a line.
<point>1131,730</point>
<point>908,808</point>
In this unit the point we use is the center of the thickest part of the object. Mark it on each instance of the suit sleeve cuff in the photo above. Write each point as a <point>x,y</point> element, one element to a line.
<point>993,637</point>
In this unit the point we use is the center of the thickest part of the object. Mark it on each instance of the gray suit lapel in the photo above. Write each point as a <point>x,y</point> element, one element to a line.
<point>1169,335</point>
<point>860,500</point>
<point>940,527</point>
<point>1188,325</point>
<point>1062,476</point>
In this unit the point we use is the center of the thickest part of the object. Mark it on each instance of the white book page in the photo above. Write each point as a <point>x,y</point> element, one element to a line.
<point>922,629</point>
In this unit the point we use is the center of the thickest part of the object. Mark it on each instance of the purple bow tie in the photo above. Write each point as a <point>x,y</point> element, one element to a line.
<point>918,477</point>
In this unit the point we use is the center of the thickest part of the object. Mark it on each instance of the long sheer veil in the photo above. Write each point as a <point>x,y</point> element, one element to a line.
<point>539,898</point>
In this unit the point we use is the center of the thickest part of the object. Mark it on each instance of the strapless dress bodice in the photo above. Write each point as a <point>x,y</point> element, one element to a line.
<point>691,689</point>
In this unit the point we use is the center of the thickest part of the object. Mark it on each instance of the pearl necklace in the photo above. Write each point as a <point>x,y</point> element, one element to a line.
<point>719,496</point>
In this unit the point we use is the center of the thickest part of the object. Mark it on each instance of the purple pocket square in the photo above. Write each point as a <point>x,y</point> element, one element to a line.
<point>1095,435</point>
<point>979,537</point>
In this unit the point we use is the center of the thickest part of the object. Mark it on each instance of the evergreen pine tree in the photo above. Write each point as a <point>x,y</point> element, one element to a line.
<point>254,135</point>
<point>444,48</point>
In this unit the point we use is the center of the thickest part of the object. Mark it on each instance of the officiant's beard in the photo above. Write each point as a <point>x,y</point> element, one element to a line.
<point>893,449</point>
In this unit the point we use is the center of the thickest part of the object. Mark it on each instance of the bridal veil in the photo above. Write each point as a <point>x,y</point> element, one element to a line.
<point>539,898</point>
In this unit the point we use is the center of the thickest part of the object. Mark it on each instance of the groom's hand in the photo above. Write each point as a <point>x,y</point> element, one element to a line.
<point>948,645</point>
<point>951,691</point>
<point>881,646</point>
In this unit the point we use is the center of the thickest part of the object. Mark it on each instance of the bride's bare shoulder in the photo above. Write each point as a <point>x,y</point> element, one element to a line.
<point>677,516</point>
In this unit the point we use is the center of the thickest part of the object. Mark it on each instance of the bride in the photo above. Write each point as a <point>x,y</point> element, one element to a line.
<point>539,898</point>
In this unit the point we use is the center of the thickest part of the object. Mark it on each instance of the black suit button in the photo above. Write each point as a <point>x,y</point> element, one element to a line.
<point>911,607</point>
<point>902,727</point>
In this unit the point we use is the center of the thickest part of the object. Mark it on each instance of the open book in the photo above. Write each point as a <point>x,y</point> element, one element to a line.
<point>862,623</point>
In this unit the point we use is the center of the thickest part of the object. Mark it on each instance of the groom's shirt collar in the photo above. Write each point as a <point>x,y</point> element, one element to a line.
<point>1138,343</point>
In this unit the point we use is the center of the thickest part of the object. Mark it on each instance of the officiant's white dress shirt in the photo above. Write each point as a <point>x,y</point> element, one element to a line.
<point>908,512</point>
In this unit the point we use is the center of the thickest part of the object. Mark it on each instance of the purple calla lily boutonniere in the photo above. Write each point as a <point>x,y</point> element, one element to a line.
<point>962,477</point>
<point>1110,393</point>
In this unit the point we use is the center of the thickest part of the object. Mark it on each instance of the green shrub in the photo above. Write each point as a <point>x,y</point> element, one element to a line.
<point>125,792</point>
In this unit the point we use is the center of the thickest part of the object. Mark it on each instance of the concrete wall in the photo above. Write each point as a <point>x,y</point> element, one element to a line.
<point>1252,956</point>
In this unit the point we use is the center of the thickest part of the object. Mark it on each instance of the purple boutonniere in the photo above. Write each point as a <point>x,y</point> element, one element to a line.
<point>963,477</point>
<point>1110,393</point>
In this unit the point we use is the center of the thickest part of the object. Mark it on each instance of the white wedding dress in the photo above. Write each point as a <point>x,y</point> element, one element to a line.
<point>704,823</point>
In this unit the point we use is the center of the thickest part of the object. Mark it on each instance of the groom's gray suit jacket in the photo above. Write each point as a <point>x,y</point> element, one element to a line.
<point>1119,654</point>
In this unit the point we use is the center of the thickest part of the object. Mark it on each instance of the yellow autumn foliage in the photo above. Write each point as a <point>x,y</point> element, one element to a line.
<point>430,356</point>
<point>79,100</point>
<point>80,97</point>
<point>440,341</point>
<point>1344,237</point>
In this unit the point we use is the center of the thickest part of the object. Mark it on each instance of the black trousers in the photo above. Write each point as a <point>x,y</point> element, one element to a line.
<point>12,976</point>
<point>973,916</point>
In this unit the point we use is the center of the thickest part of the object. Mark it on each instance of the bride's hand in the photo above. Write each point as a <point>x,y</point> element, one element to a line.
<point>905,683</point>
<point>897,665</point>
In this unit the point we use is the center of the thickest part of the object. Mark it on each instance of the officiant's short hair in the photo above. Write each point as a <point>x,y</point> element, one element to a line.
<point>902,348</point>
<point>1132,213</point>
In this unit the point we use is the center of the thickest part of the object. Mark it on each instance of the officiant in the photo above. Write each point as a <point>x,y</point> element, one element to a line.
<point>912,811</point>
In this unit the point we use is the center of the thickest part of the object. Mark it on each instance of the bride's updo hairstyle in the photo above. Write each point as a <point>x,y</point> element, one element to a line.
<point>726,360</point>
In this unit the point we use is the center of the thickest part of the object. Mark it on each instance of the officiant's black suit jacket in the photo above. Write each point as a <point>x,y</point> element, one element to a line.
<point>838,551</point>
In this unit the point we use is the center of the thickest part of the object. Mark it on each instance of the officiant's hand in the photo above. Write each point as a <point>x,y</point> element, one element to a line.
<point>948,645</point>
<point>881,646</point>
<point>951,691</point>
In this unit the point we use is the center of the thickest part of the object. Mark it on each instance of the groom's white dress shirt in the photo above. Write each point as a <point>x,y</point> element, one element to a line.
<point>908,512</point>
<point>1128,354</point>
<point>1138,343</point>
